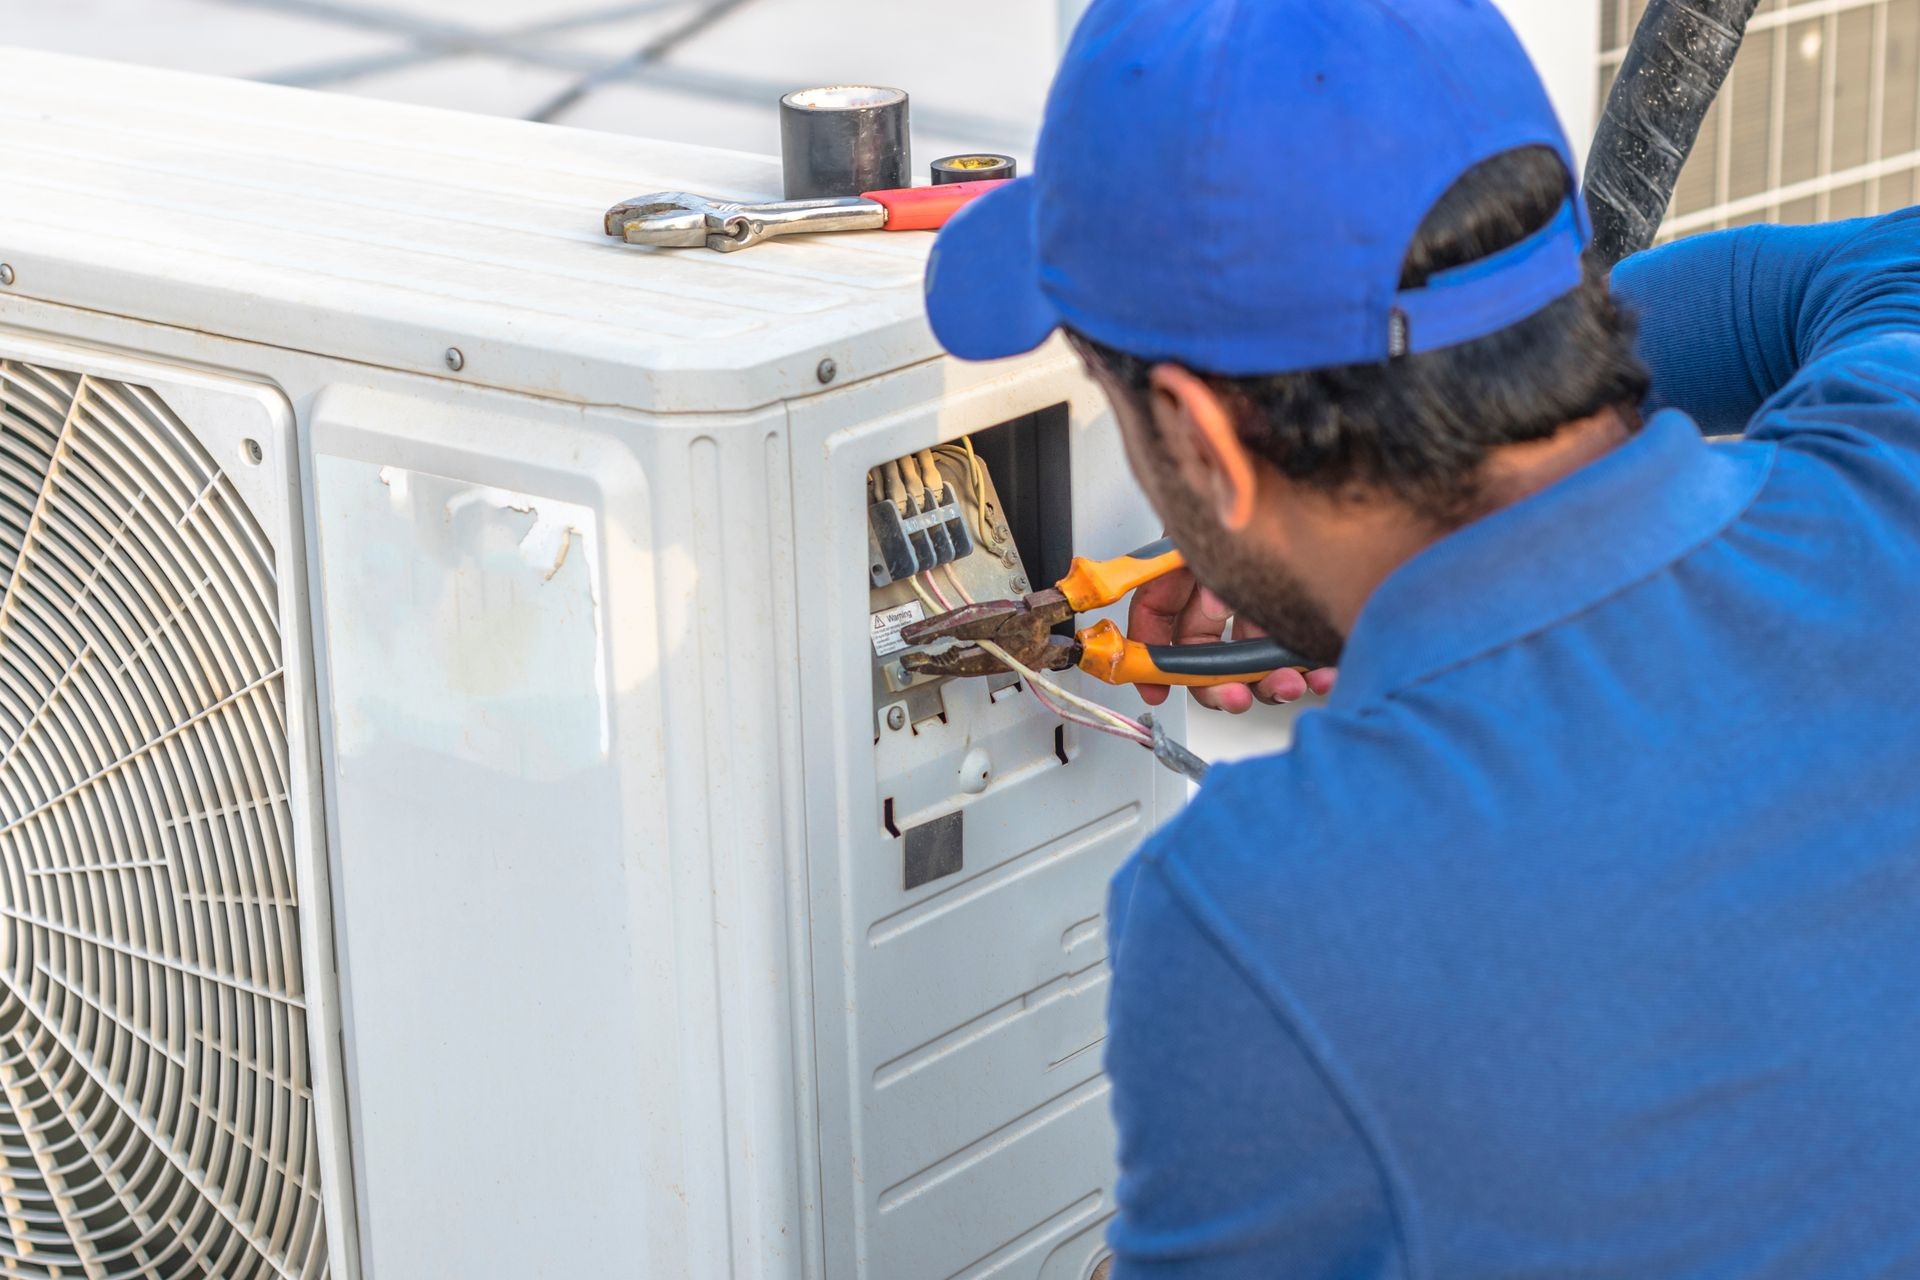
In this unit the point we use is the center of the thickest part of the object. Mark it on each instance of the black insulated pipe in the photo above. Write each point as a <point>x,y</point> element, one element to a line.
<point>1680,57</point>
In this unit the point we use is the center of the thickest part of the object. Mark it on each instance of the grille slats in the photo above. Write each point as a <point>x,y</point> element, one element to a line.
<point>156,1107</point>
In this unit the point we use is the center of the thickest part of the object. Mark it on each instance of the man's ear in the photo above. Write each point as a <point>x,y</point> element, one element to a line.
<point>1184,403</point>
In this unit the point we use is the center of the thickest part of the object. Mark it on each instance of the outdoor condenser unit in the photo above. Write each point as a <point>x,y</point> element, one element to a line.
<point>461,812</point>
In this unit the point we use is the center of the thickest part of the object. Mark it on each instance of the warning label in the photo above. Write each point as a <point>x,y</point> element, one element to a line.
<point>888,624</point>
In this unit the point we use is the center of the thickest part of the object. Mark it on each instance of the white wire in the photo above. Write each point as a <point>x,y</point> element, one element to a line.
<point>1111,721</point>
<point>1085,722</point>
<point>1104,719</point>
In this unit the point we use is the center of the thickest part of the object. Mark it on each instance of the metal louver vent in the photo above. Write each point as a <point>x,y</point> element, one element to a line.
<point>156,1108</point>
<point>1820,119</point>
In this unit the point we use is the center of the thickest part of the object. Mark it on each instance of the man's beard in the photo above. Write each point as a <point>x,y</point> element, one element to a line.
<point>1264,593</point>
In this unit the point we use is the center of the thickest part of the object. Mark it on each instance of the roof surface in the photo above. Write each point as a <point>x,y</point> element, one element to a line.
<point>388,233</point>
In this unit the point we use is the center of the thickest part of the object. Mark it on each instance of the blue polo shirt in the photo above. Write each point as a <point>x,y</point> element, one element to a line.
<point>1579,934</point>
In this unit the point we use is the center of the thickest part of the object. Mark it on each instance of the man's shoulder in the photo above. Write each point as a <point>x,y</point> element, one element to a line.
<point>1300,840</point>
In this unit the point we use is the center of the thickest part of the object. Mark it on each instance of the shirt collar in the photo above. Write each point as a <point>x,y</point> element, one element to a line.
<point>1518,571</point>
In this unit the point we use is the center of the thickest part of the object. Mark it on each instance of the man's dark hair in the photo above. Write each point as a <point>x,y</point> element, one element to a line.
<point>1420,426</point>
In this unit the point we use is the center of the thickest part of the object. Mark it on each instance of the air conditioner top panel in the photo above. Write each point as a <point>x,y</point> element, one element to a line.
<point>387,234</point>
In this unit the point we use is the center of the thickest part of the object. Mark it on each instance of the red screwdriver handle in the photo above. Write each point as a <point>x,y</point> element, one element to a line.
<point>928,208</point>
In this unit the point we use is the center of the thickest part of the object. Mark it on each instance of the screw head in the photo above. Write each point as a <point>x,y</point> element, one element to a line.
<point>6,274</point>
<point>255,454</point>
<point>896,717</point>
<point>455,360</point>
<point>827,371</point>
<point>1019,584</point>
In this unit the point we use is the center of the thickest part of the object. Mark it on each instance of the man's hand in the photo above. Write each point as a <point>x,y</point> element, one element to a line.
<point>1176,609</point>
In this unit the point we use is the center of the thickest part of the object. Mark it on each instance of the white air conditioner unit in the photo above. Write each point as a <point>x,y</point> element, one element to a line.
<point>460,817</point>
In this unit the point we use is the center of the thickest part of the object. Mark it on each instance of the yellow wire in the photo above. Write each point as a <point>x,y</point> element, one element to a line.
<point>962,452</point>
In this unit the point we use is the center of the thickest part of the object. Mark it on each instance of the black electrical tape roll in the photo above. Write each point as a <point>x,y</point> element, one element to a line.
<point>845,140</point>
<point>982,167</point>
<point>1245,658</point>
<point>1680,57</point>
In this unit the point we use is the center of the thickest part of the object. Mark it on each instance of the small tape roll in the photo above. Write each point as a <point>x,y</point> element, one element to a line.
<point>977,167</point>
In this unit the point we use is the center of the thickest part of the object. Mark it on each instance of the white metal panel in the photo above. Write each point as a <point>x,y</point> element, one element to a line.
<point>533,1008</point>
<point>385,234</point>
<point>963,1108</point>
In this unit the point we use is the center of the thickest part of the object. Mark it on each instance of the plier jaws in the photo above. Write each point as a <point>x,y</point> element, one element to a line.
<point>1006,622</point>
<point>1053,653</point>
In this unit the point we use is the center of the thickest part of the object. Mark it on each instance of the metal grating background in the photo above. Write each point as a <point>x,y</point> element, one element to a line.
<point>1820,119</point>
<point>156,1109</point>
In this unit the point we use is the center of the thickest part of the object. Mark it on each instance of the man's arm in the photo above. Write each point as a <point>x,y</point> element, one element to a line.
<point>1731,320</point>
<point>1237,1162</point>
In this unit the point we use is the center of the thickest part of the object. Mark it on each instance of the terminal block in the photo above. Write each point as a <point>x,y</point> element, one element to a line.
<point>930,531</point>
<point>915,523</point>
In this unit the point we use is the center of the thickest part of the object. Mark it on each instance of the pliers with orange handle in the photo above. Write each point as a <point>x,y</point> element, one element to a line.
<point>1024,628</point>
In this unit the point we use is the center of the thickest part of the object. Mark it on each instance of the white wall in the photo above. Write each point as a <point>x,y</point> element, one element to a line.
<point>1564,38</point>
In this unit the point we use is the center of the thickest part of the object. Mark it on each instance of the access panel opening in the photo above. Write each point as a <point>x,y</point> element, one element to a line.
<point>1030,459</point>
<point>987,517</point>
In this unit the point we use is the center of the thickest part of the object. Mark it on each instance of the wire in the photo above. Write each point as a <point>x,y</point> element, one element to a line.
<point>931,481</point>
<point>896,485</point>
<point>1108,720</point>
<point>899,478</point>
<point>1099,718</point>
<point>929,592</point>
<point>913,472</point>
<point>962,452</point>
<point>916,483</point>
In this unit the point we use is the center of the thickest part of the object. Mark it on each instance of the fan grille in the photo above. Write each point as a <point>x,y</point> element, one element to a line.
<point>156,1108</point>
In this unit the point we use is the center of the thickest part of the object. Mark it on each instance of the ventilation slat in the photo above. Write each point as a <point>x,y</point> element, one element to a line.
<point>156,1101</point>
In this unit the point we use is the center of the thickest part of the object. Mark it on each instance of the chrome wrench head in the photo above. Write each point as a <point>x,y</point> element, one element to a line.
<point>675,220</point>
<point>668,219</point>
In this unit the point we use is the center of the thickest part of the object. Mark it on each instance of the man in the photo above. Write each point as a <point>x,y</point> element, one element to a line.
<point>1579,933</point>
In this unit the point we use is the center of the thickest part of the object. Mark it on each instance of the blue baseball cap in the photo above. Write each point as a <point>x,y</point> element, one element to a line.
<point>1234,185</point>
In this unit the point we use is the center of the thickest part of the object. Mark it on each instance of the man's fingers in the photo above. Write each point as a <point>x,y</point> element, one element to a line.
<point>1204,620</point>
<point>1176,609</point>
<point>1285,685</point>
<point>1234,699</point>
<point>1153,616</point>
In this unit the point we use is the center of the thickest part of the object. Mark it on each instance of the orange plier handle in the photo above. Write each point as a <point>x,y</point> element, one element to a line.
<point>1095,584</point>
<point>1107,654</point>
